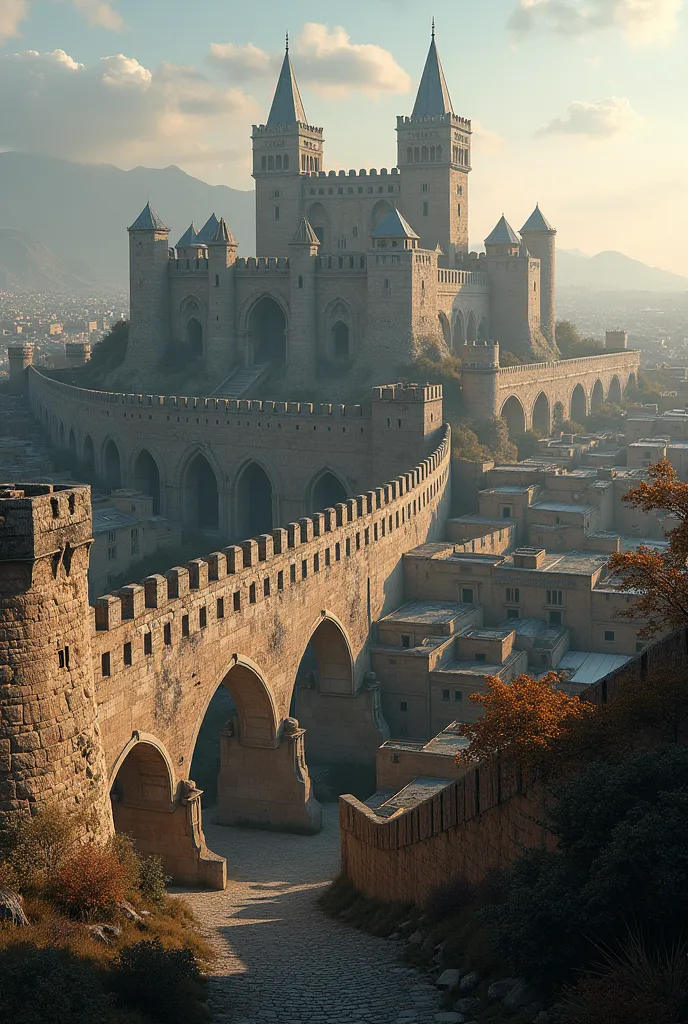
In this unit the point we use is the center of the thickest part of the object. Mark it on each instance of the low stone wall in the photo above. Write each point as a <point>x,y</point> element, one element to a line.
<point>481,823</point>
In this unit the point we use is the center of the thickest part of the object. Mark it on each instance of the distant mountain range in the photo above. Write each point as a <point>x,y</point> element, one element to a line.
<point>64,227</point>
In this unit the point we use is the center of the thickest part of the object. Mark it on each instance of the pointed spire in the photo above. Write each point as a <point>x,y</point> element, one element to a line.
<point>188,238</point>
<point>207,231</point>
<point>503,234</point>
<point>222,235</point>
<point>394,226</point>
<point>148,220</point>
<point>305,235</point>
<point>538,222</point>
<point>433,97</point>
<point>287,105</point>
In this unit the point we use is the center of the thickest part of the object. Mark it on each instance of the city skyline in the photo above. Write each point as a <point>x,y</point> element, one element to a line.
<point>99,82</point>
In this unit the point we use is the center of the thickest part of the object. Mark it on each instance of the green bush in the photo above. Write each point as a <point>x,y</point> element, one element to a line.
<point>152,880</point>
<point>621,857</point>
<point>164,984</point>
<point>49,986</point>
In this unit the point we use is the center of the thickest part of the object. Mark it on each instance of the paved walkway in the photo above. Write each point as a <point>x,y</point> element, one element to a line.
<point>280,958</point>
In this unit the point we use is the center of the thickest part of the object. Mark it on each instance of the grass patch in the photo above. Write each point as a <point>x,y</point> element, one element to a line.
<point>343,901</point>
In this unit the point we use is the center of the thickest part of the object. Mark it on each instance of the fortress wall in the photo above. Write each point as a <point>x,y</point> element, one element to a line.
<point>480,823</point>
<point>343,567</point>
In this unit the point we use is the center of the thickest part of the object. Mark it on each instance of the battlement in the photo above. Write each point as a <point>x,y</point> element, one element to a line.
<point>357,262</point>
<point>407,393</point>
<point>461,277</point>
<point>406,121</point>
<point>628,358</point>
<point>276,561</point>
<point>20,352</point>
<point>37,519</point>
<point>480,355</point>
<point>347,175</point>
<point>262,263</point>
<point>187,264</point>
<point>284,129</point>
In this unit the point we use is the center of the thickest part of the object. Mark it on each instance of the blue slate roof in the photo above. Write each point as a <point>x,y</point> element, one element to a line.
<point>208,230</point>
<point>433,94</point>
<point>503,234</point>
<point>189,236</point>
<point>148,220</point>
<point>394,226</point>
<point>537,222</point>
<point>287,105</point>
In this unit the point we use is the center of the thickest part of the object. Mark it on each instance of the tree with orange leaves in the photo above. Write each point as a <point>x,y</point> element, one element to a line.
<point>522,718</point>
<point>658,579</point>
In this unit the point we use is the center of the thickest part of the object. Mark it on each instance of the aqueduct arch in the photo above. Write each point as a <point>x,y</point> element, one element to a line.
<point>596,396</point>
<point>614,396</point>
<point>512,411</point>
<point>541,419</point>
<point>112,469</point>
<point>146,477</point>
<point>579,404</point>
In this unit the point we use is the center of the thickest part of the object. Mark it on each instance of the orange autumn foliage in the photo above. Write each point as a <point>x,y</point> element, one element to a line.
<point>522,718</point>
<point>657,579</point>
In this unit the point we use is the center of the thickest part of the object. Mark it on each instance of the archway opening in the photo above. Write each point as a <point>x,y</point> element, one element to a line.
<point>267,327</point>
<point>446,330</point>
<point>89,454</point>
<point>614,397</point>
<point>253,502</point>
<point>141,797</point>
<point>194,336</point>
<point>202,499</point>
<point>72,443</point>
<point>512,412</point>
<point>327,491</point>
<point>579,405</point>
<point>459,332</point>
<point>632,381</point>
<point>471,328</point>
<point>340,340</point>
<point>558,415</point>
<point>112,471</point>
<point>541,419</point>
<point>597,397</point>
<point>483,330</point>
<point>147,478</point>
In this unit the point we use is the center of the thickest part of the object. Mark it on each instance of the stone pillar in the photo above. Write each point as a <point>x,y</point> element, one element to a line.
<point>50,746</point>
<point>269,786</point>
<point>20,358</point>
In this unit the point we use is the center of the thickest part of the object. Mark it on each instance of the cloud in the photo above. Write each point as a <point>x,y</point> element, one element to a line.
<point>117,110</point>
<point>325,57</point>
<point>641,22</point>
<point>600,120</point>
<point>100,14</point>
<point>490,142</point>
<point>12,13</point>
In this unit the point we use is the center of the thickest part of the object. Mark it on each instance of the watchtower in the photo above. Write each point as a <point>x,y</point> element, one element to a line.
<point>20,358</point>
<point>50,747</point>
<point>406,422</point>
<point>479,378</point>
<point>541,241</point>
<point>149,316</point>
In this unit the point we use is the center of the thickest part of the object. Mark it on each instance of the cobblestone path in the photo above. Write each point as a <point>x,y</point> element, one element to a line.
<point>280,959</point>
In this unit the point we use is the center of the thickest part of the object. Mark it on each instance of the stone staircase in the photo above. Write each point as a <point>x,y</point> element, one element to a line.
<point>241,380</point>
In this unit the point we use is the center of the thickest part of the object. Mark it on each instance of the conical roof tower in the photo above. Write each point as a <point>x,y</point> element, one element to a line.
<point>287,105</point>
<point>433,97</point>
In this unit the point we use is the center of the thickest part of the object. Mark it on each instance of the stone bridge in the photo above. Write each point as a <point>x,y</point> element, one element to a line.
<point>113,697</point>
<point>533,395</point>
<point>237,467</point>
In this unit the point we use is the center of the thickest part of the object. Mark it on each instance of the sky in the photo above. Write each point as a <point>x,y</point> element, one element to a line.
<point>579,105</point>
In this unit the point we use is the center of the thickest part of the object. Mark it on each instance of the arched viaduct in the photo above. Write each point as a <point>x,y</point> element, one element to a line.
<point>243,618</point>
<point>237,467</point>
<point>536,395</point>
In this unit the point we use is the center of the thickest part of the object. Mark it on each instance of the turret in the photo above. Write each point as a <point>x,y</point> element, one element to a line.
<point>434,153</point>
<point>407,422</point>
<point>301,346</point>
<point>221,345</point>
<point>189,247</point>
<point>149,256</point>
<point>541,240</point>
<point>20,358</point>
<point>50,746</point>
<point>479,379</point>
<point>284,149</point>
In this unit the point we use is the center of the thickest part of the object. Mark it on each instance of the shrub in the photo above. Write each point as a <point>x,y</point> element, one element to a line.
<point>152,880</point>
<point>38,845</point>
<point>49,986</point>
<point>91,883</point>
<point>165,984</point>
<point>449,898</point>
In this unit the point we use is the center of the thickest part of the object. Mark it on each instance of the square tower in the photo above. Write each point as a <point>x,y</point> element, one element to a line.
<point>284,149</point>
<point>434,154</point>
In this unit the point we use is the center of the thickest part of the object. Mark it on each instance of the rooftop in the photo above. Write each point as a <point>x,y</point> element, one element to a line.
<point>446,743</point>
<point>111,519</point>
<point>580,563</point>
<point>427,613</point>
<point>586,668</point>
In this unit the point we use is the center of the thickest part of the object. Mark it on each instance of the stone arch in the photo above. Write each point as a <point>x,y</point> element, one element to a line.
<point>72,442</point>
<point>459,333</point>
<point>483,330</point>
<point>558,414</point>
<point>88,453</point>
<point>194,335</point>
<point>338,329</point>
<point>614,394</point>
<point>254,501</point>
<point>267,330</point>
<point>257,714</point>
<point>579,404</point>
<point>596,396</point>
<point>378,213</point>
<point>330,652</point>
<point>541,421</point>
<point>513,413</point>
<point>112,466</point>
<point>325,491</point>
<point>200,493</point>
<point>632,381</point>
<point>320,222</point>
<point>146,477</point>
<point>471,327</point>
<point>340,337</point>
<point>446,329</point>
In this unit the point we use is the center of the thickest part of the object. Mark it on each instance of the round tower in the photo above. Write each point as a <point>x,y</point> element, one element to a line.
<point>20,358</point>
<point>149,257</point>
<point>479,379</point>
<point>50,747</point>
<point>541,241</point>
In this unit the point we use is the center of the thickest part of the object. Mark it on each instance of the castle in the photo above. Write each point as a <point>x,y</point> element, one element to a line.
<point>363,267</point>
